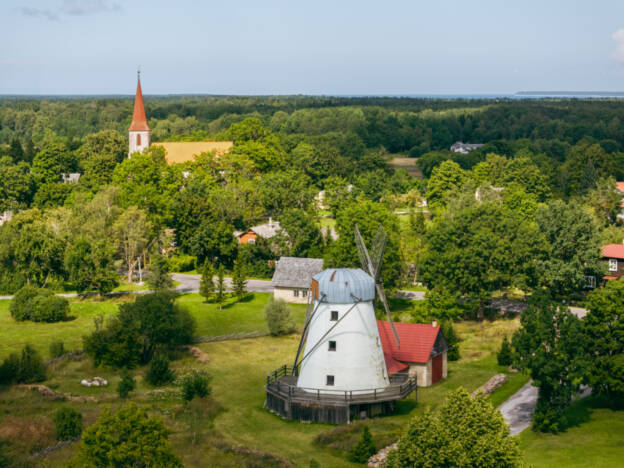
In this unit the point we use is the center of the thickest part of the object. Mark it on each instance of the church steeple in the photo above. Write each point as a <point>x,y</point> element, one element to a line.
<point>139,132</point>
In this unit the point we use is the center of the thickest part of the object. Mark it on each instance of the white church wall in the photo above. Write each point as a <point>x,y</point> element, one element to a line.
<point>357,363</point>
<point>134,147</point>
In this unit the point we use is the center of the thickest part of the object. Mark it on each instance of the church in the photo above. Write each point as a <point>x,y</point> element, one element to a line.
<point>139,137</point>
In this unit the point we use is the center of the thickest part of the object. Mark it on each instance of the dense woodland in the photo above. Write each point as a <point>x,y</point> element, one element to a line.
<point>523,216</point>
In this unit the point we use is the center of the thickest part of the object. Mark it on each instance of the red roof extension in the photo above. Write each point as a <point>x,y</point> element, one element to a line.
<point>620,186</point>
<point>417,340</point>
<point>139,121</point>
<point>613,251</point>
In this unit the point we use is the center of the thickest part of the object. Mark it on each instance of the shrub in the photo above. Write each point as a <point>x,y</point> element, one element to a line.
<point>31,367</point>
<point>21,307</point>
<point>68,424</point>
<point>504,354</point>
<point>197,383</point>
<point>452,340</point>
<point>38,305</point>
<point>364,449</point>
<point>159,278</point>
<point>9,369</point>
<point>182,263</point>
<point>49,309</point>
<point>125,385</point>
<point>128,437</point>
<point>159,372</point>
<point>57,349</point>
<point>277,315</point>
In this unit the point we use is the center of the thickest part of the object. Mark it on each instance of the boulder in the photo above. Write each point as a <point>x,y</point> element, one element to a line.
<point>491,385</point>
<point>379,459</point>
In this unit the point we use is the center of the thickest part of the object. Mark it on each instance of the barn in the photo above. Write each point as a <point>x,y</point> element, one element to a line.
<point>423,351</point>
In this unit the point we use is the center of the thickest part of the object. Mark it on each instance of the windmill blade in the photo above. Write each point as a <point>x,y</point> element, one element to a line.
<point>365,260</point>
<point>382,297</point>
<point>378,248</point>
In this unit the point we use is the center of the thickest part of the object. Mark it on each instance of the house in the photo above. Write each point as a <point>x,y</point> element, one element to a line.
<point>265,231</point>
<point>464,148</point>
<point>140,134</point>
<point>5,217</point>
<point>293,277</point>
<point>423,351</point>
<point>613,255</point>
<point>71,178</point>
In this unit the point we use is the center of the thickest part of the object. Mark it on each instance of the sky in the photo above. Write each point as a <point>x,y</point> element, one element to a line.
<point>323,47</point>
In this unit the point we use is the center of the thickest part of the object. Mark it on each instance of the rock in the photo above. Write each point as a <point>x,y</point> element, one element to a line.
<point>491,385</point>
<point>511,370</point>
<point>85,383</point>
<point>379,459</point>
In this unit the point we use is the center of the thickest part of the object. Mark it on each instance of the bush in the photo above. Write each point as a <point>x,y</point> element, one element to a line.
<point>277,315</point>
<point>452,340</point>
<point>31,367</point>
<point>196,384</point>
<point>504,354</point>
<point>9,369</point>
<point>181,263</point>
<point>68,424</point>
<point>21,307</point>
<point>57,349</point>
<point>159,372</point>
<point>125,385</point>
<point>49,309</point>
<point>364,449</point>
<point>38,305</point>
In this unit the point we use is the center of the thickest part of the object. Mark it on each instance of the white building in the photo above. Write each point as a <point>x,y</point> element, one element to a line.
<point>139,133</point>
<point>343,351</point>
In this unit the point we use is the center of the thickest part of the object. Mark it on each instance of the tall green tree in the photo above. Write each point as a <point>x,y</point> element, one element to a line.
<point>214,242</point>
<point>220,291</point>
<point>573,247</point>
<point>604,332</point>
<point>159,278</point>
<point>90,265</point>
<point>550,347</point>
<point>239,281</point>
<point>127,437</point>
<point>206,283</point>
<point>299,235</point>
<point>131,232</point>
<point>52,161</point>
<point>464,432</point>
<point>445,181</point>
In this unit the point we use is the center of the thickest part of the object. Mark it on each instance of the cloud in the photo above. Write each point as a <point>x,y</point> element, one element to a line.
<point>73,8</point>
<point>618,54</point>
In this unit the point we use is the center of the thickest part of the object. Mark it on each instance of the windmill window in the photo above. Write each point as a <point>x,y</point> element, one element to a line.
<point>332,346</point>
<point>330,380</point>
<point>334,315</point>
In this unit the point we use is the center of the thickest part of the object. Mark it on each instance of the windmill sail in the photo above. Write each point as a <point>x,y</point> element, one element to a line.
<point>372,264</point>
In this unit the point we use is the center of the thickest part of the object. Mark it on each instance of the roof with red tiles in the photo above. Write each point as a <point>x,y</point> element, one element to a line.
<point>139,121</point>
<point>620,186</point>
<point>417,340</point>
<point>613,251</point>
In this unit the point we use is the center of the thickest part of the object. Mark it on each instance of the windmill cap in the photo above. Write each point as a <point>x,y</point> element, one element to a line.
<point>345,285</point>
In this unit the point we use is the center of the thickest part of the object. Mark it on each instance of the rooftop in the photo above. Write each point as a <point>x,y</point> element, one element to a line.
<point>417,342</point>
<point>295,272</point>
<point>345,285</point>
<point>613,251</point>
<point>177,152</point>
<point>139,121</point>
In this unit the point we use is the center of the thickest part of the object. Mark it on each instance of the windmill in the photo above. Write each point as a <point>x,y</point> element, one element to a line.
<point>372,265</point>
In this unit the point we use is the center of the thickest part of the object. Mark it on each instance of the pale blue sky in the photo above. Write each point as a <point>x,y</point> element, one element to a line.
<point>320,47</point>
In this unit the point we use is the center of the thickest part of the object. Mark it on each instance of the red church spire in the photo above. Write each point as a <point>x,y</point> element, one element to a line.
<point>139,121</point>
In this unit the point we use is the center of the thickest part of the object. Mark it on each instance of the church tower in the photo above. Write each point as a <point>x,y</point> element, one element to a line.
<point>139,132</point>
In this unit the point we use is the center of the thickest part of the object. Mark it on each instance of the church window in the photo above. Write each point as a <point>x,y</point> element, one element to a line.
<point>330,380</point>
<point>139,139</point>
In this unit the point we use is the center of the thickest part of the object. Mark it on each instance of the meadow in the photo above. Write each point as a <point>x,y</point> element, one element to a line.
<point>231,428</point>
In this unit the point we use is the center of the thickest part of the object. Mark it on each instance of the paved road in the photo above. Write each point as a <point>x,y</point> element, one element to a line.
<point>190,283</point>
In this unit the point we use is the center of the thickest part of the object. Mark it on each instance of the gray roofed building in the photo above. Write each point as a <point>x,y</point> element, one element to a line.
<point>71,178</point>
<point>293,277</point>
<point>465,148</point>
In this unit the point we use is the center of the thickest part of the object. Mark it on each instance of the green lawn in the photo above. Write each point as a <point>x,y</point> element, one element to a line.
<point>595,437</point>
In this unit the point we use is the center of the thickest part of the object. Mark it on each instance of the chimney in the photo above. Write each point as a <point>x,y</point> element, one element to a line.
<point>434,323</point>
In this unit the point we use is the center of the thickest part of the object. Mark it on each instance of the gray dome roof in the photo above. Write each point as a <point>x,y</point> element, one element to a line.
<point>339,285</point>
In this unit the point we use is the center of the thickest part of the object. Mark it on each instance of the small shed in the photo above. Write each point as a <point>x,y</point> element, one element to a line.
<point>423,351</point>
<point>293,277</point>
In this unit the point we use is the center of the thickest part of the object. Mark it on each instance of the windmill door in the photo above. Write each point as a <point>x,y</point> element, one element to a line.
<point>436,369</point>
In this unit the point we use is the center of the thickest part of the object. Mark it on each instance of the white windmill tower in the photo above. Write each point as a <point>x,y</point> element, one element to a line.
<point>341,346</point>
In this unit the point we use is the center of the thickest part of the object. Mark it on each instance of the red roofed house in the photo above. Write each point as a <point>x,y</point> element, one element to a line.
<point>422,353</point>
<point>613,254</point>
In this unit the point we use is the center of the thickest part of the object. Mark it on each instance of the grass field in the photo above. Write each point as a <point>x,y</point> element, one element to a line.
<point>232,428</point>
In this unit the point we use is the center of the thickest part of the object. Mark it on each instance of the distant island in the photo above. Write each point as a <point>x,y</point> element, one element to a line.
<point>571,93</point>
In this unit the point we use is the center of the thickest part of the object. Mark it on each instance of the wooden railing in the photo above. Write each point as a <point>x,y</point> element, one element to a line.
<point>282,381</point>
